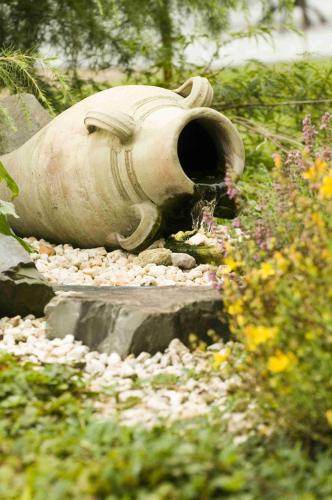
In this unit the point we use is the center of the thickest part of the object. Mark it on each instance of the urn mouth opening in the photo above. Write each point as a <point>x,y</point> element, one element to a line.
<point>201,151</point>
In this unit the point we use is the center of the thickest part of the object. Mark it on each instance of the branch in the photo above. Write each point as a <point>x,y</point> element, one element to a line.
<point>272,104</point>
<point>259,129</point>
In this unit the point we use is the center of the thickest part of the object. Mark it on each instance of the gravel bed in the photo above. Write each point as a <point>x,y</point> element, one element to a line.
<point>65,265</point>
<point>177,384</point>
<point>145,390</point>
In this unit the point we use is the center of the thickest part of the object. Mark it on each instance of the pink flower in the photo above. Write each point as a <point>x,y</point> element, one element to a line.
<point>325,120</point>
<point>309,132</point>
<point>208,220</point>
<point>296,157</point>
<point>262,234</point>
<point>214,281</point>
<point>232,191</point>
<point>221,247</point>
<point>326,154</point>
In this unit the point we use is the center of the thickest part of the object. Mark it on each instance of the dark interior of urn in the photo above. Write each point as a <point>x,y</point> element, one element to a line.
<point>202,147</point>
<point>201,152</point>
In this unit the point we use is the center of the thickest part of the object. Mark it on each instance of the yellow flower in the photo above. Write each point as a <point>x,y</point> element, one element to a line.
<point>320,166</point>
<point>328,415</point>
<point>316,170</point>
<point>231,263</point>
<point>326,187</point>
<point>257,335</point>
<point>240,320</point>
<point>224,270</point>
<point>317,219</point>
<point>310,174</point>
<point>266,270</point>
<point>277,160</point>
<point>235,308</point>
<point>281,361</point>
<point>220,357</point>
<point>294,255</point>
<point>326,254</point>
<point>281,262</point>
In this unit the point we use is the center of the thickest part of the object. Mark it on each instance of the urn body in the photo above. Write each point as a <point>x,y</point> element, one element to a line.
<point>122,166</point>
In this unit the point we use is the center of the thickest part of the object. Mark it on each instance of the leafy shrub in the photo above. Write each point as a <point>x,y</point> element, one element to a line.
<point>268,101</point>
<point>53,447</point>
<point>280,304</point>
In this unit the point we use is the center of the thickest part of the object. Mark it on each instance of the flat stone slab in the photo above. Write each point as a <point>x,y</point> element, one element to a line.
<point>23,290</point>
<point>135,319</point>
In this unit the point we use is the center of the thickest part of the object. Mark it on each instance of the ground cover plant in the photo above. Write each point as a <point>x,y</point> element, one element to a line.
<point>52,446</point>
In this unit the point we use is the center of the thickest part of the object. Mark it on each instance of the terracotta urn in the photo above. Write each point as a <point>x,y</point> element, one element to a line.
<point>123,166</point>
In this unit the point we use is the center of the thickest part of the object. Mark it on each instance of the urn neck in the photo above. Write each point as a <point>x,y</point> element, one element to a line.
<point>201,153</point>
<point>207,146</point>
<point>182,156</point>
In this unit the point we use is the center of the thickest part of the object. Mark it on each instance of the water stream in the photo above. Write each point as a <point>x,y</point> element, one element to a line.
<point>209,197</point>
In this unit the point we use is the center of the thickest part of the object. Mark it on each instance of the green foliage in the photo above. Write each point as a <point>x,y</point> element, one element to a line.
<point>11,184</point>
<point>8,209</point>
<point>267,102</point>
<point>73,27</point>
<point>281,302</point>
<point>30,72</point>
<point>52,446</point>
<point>103,33</point>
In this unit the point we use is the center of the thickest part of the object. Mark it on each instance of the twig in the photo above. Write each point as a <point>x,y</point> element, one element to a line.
<point>272,104</point>
<point>259,129</point>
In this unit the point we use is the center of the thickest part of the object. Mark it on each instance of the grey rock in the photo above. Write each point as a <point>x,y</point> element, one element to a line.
<point>22,117</point>
<point>22,288</point>
<point>159,256</point>
<point>11,253</point>
<point>129,320</point>
<point>157,244</point>
<point>183,260</point>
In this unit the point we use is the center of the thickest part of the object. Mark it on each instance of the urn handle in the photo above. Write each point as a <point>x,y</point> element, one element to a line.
<point>197,92</point>
<point>148,227</point>
<point>120,124</point>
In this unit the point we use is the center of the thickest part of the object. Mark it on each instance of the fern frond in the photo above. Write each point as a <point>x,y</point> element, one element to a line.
<point>25,73</point>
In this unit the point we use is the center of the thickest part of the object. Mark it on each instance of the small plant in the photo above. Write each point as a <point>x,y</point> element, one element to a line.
<point>30,72</point>
<point>7,208</point>
<point>280,301</point>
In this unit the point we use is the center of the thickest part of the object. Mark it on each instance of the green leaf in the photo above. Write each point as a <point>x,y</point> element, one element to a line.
<point>7,230</point>
<point>7,208</point>
<point>4,226</point>
<point>11,184</point>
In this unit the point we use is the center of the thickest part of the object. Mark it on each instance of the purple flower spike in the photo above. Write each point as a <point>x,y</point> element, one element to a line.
<point>309,132</point>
